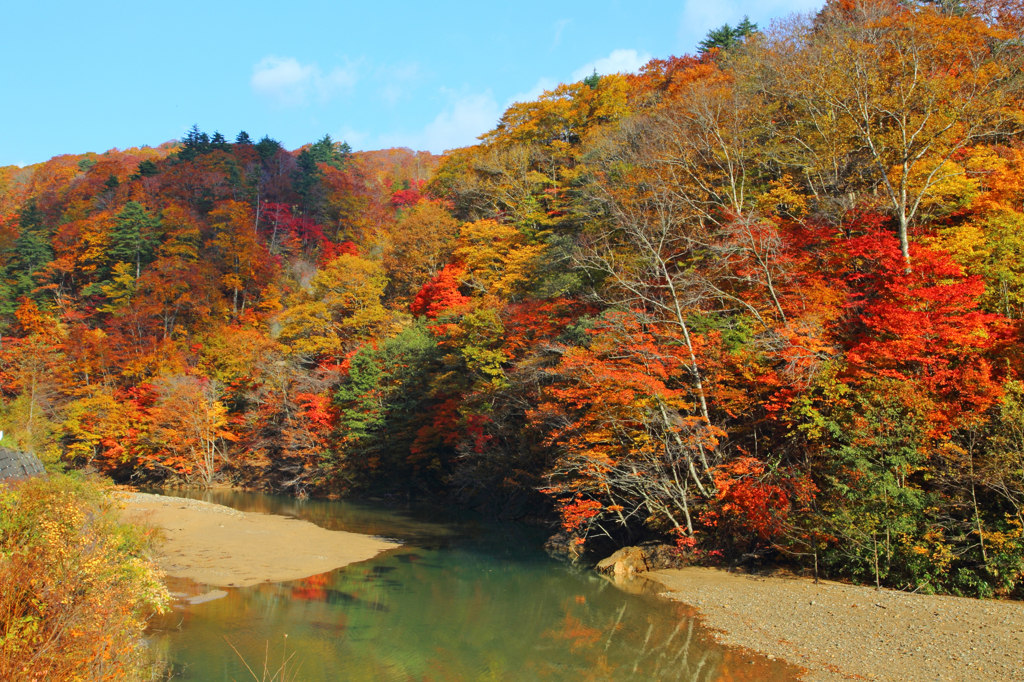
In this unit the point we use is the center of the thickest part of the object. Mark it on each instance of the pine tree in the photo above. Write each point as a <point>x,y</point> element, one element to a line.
<point>148,168</point>
<point>219,142</point>
<point>194,144</point>
<point>726,37</point>
<point>134,236</point>
<point>267,148</point>
<point>30,253</point>
<point>325,151</point>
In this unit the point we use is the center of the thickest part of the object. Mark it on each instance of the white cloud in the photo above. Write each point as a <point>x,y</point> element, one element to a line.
<point>619,61</point>
<point>289,83</point>
<point>461,123</point>
<point>458,125</point>
<point>559,27</point>
<point>533,93</point>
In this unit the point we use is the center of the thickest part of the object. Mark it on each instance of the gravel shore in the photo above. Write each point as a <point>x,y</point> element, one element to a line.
<point>841,632</point>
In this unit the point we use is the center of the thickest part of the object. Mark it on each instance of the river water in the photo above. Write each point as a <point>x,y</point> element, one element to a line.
<point>463,598</point>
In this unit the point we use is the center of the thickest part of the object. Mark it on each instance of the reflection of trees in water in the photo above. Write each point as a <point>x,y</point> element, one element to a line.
<point>659,655</point>
<point>478,608</point>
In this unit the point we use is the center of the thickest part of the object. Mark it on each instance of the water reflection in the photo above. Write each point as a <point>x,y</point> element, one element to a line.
<point>463,599</point>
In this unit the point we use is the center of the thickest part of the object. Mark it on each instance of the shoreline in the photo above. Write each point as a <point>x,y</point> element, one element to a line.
<point>223,547</point>
<point>841,632</point>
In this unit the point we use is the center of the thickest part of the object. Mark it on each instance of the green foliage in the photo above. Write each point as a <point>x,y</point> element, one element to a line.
<point>29,255</point>
<point>267,148</point>
<point>194,144</point>
<point>360,397</point>
<point>307,178</point>
<point>135,235</point>
<point>148,168</point>
<point>219,142</point>
<point>725,36</point>
<point>381,403</point>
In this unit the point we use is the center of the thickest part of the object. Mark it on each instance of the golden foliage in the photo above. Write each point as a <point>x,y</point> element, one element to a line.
<point>75,585</point>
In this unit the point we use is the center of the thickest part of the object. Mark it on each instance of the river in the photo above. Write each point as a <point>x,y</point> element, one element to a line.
<point>464,598</point>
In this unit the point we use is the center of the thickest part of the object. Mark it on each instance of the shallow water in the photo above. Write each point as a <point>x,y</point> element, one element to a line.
<point>462,599</point>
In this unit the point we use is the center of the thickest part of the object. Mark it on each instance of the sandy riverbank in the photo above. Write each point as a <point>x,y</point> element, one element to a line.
<point>220,546</point>
<point>841,632</point>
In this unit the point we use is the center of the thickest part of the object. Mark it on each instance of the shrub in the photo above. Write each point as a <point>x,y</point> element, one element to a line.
<point>76,585</point>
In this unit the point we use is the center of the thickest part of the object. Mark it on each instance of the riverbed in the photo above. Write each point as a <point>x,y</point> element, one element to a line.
<point>462,598</point>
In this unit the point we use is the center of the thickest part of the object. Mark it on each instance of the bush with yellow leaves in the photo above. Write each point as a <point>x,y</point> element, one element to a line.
<point>76,584</point>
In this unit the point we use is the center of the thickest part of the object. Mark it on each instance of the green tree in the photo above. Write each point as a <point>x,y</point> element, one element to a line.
<point>30,253</point>
<point>148,168</point>
<point>306,179</point>
<point>360,398</point>
<point>134,236</point>
<point>267,148</point>
<point>725,36</point>
<point>195,143</point>
<point>219,142</point>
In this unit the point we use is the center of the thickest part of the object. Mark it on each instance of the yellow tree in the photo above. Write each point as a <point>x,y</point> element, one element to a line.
<point>242,255</point>
<point>95,426</point>
<point>35,369</point>
<point>419,245</point>
<point>341,305</point>
<point>189,428</point>
<point>878,97</point>
<point>499,259</point>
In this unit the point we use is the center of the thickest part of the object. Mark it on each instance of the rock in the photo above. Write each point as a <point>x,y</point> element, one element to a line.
<point>659,557</point>
<point>633,560</point>
<point>626,561</point>
<point>209,596</point>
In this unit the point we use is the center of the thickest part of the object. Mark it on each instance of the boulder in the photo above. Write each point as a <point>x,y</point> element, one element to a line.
<point>626,561</point>
<point>633,560</point>
<point>662,556</point>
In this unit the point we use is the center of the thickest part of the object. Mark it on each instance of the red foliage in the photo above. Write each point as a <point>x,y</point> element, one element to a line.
<point>317,410</point>
<point>922,325</point>
<point>475,424</point>
<point>532,322</point>
<point>441,293</point>
<point>578,512</point>
<point>408,197</point>
<point>330,250</point>
<point>744,493</point>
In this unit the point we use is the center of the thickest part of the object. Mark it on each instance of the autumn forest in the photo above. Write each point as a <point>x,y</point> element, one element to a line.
<point>763,303</point>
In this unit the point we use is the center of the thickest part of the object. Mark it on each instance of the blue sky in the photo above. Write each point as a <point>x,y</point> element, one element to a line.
<point>89,76</point>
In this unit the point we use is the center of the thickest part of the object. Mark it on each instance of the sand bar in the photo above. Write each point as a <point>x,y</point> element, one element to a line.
<point>220,546</point>
<point>842,632</point>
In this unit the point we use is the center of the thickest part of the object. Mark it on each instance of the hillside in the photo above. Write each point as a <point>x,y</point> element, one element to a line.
<point>764,302</point>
